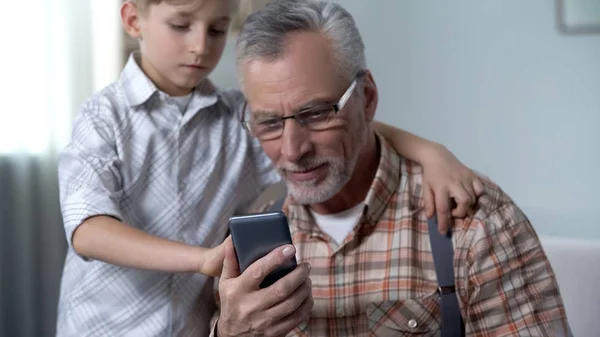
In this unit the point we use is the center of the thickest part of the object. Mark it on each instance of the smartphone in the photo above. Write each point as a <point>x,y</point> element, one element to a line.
<point>256,235</point>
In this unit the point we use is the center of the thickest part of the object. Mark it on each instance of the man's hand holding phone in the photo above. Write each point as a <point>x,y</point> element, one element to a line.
<point>249,310</point>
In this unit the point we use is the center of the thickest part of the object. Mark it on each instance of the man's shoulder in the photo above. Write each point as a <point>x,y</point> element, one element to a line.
<point>494,211</point>
<point>492,199</point>
<point>496,216</point>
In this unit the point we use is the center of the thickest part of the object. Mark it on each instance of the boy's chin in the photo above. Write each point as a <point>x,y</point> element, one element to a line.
<point>193,81</point>
<point>190,85</point>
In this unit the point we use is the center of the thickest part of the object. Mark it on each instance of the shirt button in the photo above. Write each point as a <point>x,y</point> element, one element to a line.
<point>303,326</point>
<point>412,323</point>
<point>182,186</point>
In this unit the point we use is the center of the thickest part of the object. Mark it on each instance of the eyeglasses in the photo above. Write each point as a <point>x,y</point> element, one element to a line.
<point>315,119</point>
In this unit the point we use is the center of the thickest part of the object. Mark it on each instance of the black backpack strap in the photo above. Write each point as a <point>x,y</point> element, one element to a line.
<point>443,257</point>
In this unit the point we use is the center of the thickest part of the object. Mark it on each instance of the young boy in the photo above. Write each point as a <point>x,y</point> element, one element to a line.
<point>157,164</point>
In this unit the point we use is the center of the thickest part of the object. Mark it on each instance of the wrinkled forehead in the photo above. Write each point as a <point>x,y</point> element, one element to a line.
<point>304,71</point>
<point>280,88</point>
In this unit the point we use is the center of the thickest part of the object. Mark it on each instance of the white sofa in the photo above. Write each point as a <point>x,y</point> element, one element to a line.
<point>576,263</point>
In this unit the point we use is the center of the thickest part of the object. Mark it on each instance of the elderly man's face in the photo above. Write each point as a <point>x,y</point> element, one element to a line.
<point>314,164</point>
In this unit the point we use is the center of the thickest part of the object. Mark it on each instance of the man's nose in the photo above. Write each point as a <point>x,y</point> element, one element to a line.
<point>296,141</point>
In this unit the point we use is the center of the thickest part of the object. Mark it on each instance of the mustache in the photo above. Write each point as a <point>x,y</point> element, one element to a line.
<point>304,164</point>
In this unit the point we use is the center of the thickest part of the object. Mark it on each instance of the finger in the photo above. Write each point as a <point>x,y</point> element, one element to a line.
<point>470,192</point>
<point>429,200</point>
<point>478,187</point>
<point>288,323</point>
<point>231,269</point>
<point>281,290</point>
<point>257,271</point>
<point>463,202</point>
<point>442,200</point>
<point>291,303</point>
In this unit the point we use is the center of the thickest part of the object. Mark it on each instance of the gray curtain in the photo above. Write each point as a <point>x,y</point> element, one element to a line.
<point>32,239</point>
<point>32,245</point>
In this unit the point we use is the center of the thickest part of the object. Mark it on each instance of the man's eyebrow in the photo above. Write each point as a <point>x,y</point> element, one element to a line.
<point>264,114</point>
<point>314,103</point>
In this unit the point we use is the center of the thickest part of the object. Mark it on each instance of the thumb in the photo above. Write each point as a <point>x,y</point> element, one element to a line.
<point>231,268</point>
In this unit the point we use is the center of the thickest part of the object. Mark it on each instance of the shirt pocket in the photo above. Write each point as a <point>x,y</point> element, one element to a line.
<point>409,317</point>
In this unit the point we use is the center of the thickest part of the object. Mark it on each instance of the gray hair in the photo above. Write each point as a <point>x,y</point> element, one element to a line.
<point>262,35</point>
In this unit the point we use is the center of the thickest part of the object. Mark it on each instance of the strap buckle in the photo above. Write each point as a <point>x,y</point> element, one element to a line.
<point>445,290</point>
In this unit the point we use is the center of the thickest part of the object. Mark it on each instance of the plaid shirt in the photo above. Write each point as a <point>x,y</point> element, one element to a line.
<point>380,281</point>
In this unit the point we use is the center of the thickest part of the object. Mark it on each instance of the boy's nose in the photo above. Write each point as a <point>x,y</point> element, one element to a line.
<point>199,44</point>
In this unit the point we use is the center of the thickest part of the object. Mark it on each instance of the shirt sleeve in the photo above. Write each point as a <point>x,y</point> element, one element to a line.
<point>512,289</point>
<point>88,169</point>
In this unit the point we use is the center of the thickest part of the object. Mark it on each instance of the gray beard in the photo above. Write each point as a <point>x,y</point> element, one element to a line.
<point>340,172</point>
<point>309,192</point>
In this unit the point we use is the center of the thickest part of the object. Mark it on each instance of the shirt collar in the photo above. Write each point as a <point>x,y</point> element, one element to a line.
<point>139,88</point>
<point>384,185</point>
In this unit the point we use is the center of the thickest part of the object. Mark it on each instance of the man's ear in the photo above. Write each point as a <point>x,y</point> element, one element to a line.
<point>370,95</point>
<point>130,18</point>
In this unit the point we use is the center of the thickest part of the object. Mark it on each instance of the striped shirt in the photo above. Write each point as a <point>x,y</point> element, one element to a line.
<point>179,175</point>
<point>381,281</point>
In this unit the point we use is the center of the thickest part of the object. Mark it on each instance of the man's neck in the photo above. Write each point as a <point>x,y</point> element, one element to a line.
<point>357,188</point>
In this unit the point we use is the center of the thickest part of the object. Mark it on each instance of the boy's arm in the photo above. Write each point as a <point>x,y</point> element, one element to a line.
<point>106,239</point>
<point>445,176</point>
<point>90,189</point>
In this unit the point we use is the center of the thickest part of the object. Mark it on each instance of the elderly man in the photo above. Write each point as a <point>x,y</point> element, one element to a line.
<point>355,205</point>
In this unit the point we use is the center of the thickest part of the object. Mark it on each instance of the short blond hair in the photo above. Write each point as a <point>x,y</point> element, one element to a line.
<point>143,5</point>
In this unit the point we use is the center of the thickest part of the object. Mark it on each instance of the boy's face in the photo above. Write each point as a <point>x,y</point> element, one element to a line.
<point>182,41</point>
